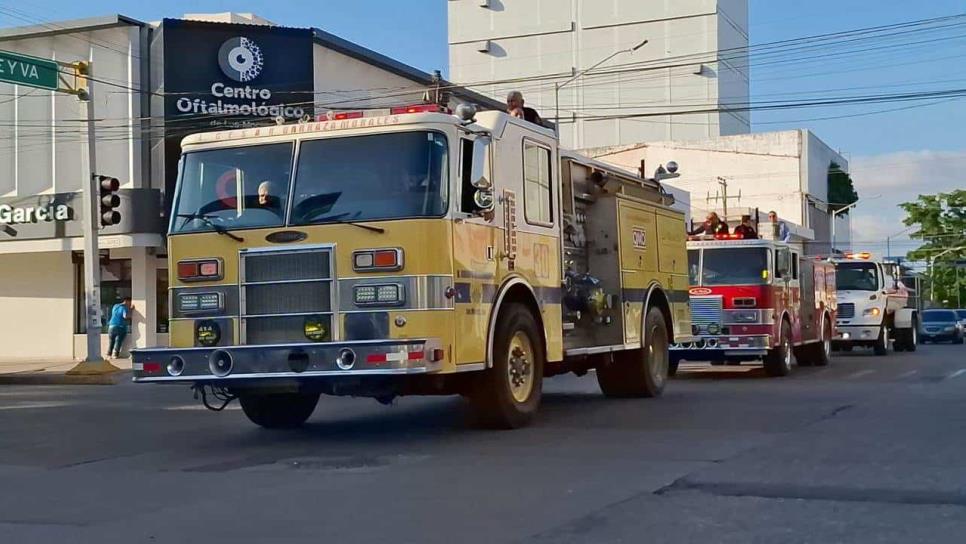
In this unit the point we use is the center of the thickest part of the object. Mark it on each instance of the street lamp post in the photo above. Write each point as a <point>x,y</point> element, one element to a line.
<point>558,86</point>
<point>932,270</point>
<point>891,236</point>
<point>834,214</point>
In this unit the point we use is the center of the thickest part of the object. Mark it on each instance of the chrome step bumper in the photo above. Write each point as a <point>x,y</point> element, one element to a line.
<point>298,361</point>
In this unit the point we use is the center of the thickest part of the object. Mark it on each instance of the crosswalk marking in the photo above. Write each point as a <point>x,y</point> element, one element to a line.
<point>959,372</point>
<point>859,374</point>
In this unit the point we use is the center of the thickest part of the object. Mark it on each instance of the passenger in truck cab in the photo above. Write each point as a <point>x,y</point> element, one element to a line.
<point>712,225</point>
<point>746,228</point>
<point>267,199</point>
<point>781,233</point>
<point>515,107</point>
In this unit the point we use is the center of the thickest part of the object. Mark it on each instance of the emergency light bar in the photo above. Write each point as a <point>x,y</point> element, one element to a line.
<point>382,112</point>
<point>864,255</point>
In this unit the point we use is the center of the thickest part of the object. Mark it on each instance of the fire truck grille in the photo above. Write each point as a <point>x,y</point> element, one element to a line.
<point>283,290</point>
<point>847,310</point>
<point>705,310</point>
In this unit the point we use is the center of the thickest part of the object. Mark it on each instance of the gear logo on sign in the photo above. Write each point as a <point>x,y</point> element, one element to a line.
<point>241,59</point>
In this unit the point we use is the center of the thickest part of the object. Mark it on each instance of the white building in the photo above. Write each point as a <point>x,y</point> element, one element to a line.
<point>155,83</point>
<point>695,59</point>
<point>787,172</point>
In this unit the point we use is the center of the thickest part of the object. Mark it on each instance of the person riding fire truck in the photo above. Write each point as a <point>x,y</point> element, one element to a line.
<point>755,299</point>
<point>413,251</point>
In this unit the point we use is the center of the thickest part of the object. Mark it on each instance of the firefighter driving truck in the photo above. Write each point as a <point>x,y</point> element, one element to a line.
<point>413,251</point>
<point>757,299</point>
<point>874,306</point>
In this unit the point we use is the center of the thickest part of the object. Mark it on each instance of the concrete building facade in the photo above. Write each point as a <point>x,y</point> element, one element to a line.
<point>787,172</point>
<point>695,61</point>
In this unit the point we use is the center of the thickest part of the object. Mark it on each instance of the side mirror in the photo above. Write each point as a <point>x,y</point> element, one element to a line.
<point>481,163</point>
<point>783,264</point>
<point>483,200</point>
<point>483,197</point>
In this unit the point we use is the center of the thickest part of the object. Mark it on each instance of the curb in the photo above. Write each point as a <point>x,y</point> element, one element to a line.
<point>60,378</point>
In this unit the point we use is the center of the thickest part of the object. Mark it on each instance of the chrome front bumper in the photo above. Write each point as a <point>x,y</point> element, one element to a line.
<point>856,333</point>
<point>293,361</point>
<point>720,347</point>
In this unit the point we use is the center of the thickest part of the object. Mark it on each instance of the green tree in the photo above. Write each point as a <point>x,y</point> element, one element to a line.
<point>941,219</point>
<point>841,191</point>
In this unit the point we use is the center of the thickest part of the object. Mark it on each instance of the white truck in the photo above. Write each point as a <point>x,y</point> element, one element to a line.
<point>873,306</point>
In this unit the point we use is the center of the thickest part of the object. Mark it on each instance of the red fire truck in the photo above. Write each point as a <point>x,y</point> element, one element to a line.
<point>758,299</point>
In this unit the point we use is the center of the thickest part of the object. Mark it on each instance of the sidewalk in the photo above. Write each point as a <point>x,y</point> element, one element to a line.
<point>47,372</point>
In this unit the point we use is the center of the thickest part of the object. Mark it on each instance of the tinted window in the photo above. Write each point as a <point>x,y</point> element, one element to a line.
<point>938,316</point>
<point>240,187</point>
<point>961,314</point>
<point>735,266</point>
<point>856,277</point>
<point>538,203</point>
<point>383,176</point>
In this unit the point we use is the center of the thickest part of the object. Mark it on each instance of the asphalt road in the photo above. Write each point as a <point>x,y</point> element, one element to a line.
<point>867,450</point>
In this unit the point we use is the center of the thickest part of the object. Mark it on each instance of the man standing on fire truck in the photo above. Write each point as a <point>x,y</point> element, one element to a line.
<point>712,225</point>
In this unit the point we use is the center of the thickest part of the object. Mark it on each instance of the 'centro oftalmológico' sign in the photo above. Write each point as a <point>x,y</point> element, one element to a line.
<point>241,60</point>
<point>30,71</point>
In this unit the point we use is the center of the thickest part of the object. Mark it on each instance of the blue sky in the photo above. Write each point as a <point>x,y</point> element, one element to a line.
<point>898,154</point>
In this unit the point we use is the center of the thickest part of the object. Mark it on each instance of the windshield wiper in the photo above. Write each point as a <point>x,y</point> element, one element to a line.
<point>371,228</point>
<point>206,219</point>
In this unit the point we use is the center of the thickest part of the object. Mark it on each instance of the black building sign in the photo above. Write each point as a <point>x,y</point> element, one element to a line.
<point>219,76</point>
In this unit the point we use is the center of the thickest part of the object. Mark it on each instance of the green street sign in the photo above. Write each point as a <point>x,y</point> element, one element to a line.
<point>30,71</point>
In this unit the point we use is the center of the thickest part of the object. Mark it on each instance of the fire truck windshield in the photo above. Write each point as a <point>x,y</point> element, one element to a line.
<point>382,176</point>
<point>347,179</point>
<point>856,277</point>
<point>734,266</point>
<point>233,188</point>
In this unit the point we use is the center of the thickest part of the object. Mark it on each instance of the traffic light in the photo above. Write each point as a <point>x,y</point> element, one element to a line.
<point>109,200</point>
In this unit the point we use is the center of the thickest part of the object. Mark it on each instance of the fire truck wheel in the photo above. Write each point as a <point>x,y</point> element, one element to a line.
<point>778,362</point>
<point>881,346</point>
<point>507,395</point>
<point>639,372</point>
<point>279,410</point>
<point>823,350</point>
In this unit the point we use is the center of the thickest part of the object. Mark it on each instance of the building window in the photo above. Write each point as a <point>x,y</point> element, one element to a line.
<point>162,302</point>
<point>115,285</point>
<point>537,198</point>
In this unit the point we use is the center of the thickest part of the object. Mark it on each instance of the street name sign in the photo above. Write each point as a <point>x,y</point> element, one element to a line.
<point>29,71</point>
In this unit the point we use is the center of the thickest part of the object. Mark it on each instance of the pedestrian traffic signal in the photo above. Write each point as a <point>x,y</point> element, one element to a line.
<point>109,200</point>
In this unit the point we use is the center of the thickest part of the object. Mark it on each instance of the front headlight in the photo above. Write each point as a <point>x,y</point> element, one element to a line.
<point>872,312</point>
<point>384,294</point>
<point>951,328</point>
<point>747,316</point>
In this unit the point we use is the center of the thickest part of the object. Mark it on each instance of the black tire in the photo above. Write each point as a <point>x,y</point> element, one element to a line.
<point>881,346</point>
<point>822,350</point>
<point>907,339</point>
<point>804,354</point>
<point>733,362</point>
<point>847,348</point>
<point>778,362</point>
<point>672,368</point>
<point>640,372</point>
<point>507,395</point>
<point>279,410</point>
<point>717,363</point>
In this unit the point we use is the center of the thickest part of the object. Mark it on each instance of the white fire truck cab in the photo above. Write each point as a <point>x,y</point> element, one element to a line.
<point>873,306</point>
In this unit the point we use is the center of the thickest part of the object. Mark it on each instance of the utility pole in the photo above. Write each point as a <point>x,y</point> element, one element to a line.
<point>93,363</point>
<point>723,196</point>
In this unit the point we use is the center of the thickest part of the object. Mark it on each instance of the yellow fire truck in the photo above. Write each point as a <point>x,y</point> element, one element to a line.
<point>414,251</point>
